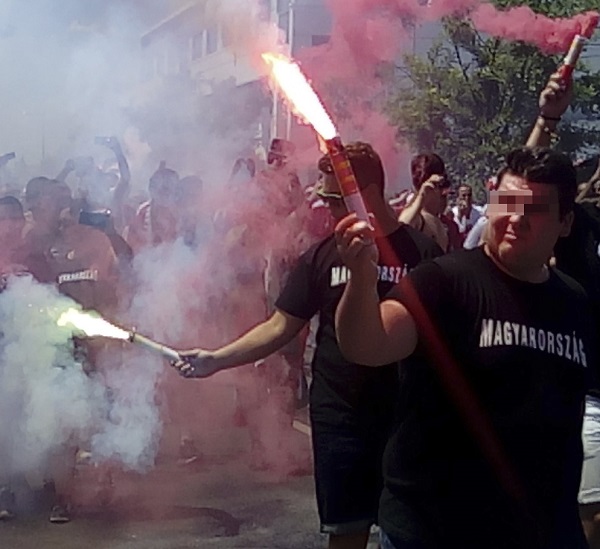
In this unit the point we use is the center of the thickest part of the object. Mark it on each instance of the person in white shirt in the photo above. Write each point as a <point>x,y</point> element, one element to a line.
<point>465,212</point>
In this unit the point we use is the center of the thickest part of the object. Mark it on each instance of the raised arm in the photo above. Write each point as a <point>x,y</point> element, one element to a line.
<point>585,191</point>
<point>67,169</point>
<point>368,332</point>
<point>554,100</point>
<point>122,189</point>
<point>410,214</point>
<point>261,341</point>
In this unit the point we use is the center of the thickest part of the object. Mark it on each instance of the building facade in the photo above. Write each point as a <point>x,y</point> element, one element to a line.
<point>190,46</point>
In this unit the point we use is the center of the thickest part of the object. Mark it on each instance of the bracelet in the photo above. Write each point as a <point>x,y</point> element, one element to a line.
<point>550,118</point>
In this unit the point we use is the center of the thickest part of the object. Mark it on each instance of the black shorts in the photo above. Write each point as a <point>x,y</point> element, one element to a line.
<point>348,477</point>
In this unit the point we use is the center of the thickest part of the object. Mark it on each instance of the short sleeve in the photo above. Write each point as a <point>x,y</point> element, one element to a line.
<point>422,292</point>
<point>299,297</point>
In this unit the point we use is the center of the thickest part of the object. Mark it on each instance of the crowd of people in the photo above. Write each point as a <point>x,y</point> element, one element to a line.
<point>475,439</point>
<point>85,233</point>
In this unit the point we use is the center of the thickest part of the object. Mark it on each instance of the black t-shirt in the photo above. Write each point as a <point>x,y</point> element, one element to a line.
<point>578,255</point>
<point>343,393</point>
<point>487,449</point>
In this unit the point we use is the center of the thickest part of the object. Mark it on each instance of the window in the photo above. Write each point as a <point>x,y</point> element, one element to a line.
<point>198,45</point>
<point>212,40</point>
<point>319,39</point>
<point>284,22</point>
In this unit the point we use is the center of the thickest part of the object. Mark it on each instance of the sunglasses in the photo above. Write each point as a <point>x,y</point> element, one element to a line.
<point>325,195</point>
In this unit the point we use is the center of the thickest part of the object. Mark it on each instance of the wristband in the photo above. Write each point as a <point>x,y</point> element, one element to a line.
<point>549,118</point>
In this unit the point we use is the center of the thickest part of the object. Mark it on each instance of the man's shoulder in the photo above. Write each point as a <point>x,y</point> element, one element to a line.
<point>325,245</point>
<point>460,264</point>
<point>568,284</point>
<point>320,253</point>
<point>426,246</point>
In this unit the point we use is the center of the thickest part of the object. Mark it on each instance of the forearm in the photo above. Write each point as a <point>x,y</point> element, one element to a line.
<point>410,214</point>
<point>124,172</point>
<point>542,133</point>
<point>63,174</point>
<point>260,342</point>
<point>585,191</point>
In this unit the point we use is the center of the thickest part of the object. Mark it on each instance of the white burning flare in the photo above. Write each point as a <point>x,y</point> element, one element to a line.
<point>300,94</point>
<point>91,324</point>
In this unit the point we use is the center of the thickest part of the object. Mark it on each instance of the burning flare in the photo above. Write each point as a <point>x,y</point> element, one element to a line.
<point>299,93</point>
<point>306,103</point>
<point>92,325</point>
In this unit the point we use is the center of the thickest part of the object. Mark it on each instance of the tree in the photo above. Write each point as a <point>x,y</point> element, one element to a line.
<point>473,97</point>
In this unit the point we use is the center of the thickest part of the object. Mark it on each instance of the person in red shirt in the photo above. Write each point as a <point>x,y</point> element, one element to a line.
<point>81,262</point>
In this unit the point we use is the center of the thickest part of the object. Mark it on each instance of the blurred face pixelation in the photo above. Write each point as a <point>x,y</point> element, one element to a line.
<point>524,221</point>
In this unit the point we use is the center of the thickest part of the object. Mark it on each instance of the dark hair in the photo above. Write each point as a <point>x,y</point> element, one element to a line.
<point>423,166</point>
<point>163,177</point>
<point>12,203</point>
<point>34,188</point>
<point>543,165</point>
<point>189,187</point>
<point>365,163</point>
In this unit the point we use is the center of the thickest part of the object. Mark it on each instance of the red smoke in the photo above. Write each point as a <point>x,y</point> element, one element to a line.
<point>366,33</point>
<point>523,24</point>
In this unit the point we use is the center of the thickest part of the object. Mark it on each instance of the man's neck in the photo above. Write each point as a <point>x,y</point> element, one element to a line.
<point>385,221</point>
<point>535,274</point>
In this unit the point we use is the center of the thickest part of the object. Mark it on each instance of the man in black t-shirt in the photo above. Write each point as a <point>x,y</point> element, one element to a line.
<point>486,451</point>
<point>351,406</point>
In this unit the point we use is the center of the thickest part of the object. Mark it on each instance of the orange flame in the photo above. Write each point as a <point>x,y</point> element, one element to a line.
<point>299,93</point>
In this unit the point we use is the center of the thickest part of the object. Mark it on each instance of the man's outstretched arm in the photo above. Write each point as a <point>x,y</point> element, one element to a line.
<point>258,343</point>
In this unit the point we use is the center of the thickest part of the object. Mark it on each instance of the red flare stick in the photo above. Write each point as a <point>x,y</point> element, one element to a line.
<point>570,61</point>
<point>346,178</point>
<point>577,45</point>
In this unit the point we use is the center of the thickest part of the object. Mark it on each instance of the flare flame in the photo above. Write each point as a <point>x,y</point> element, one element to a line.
<point>92,325</point>
<point>299,93</point>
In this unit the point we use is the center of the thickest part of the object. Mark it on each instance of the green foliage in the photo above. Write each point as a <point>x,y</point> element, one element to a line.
<point>473,97</point>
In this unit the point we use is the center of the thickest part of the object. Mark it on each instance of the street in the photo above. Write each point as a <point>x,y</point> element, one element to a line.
<point>215,505</point>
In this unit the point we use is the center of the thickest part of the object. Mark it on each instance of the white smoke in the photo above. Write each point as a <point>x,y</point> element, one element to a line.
<point>48,400</point>
<point>54,400</point>
<point>129,433</point>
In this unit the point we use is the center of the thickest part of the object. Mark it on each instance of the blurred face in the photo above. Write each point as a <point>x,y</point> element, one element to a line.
<point>12,222</point>
<point>465,197</point>
<point>436,201</point>
<point>328,191</point>
<point>524,223</point>
<point>55,199</point>
<point>162,191</point>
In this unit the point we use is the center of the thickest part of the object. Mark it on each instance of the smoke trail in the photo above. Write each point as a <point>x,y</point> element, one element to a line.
<point>131,428</point>
<point>55,399</point>
<point>54,402</point>
<point>523,24</point>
